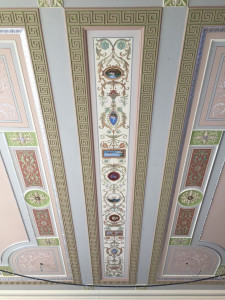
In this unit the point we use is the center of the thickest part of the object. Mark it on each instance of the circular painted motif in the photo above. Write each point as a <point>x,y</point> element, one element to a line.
<point>114,218</point>
<point>113,198</point>
<point>113,73</point>
<point>113,176</point>
<point>190,198</point>
<point>37,198</point>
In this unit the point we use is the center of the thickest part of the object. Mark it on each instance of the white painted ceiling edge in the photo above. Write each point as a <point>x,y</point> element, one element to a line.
<point>111,294</point>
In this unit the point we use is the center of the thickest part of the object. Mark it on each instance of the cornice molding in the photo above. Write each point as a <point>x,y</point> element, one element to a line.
<point>187,294</point>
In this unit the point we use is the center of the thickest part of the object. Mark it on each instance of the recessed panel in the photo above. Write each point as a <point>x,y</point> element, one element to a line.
<point>114,97</point>
<point>12,230</point>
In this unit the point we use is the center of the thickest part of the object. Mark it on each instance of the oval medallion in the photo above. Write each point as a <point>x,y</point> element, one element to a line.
<point>113,73</point>
<point>113,176</point>
<point>113,198</point>
<point>190,198</point>
<point>113,118</point>
<point>37,198</point>
<point>114,218</point>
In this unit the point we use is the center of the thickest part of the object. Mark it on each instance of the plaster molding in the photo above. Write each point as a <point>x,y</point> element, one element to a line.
<point>50,3</point>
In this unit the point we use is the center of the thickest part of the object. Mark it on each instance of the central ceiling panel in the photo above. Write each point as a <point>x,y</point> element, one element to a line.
<point>113,58</point>
<point>115,90</point>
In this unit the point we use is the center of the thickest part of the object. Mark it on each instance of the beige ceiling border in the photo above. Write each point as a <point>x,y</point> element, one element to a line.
<point>77,19</point>
<point>29,19</point>
<point>197,18</point>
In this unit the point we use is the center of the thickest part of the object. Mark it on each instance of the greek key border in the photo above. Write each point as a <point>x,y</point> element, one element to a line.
<point>30,20</point>
<point>197,18</point>
<point>76,19</point>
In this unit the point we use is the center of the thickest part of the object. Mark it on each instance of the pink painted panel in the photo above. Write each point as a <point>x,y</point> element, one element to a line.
<point>29,167</point>
<point>191,260</point>
<point>43,221</point>
<point>12,230</point>
<point>213,231</point>
<point>38,261</point>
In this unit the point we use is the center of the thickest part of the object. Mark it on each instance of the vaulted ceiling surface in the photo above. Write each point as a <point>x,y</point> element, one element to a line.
<point>106,195</point>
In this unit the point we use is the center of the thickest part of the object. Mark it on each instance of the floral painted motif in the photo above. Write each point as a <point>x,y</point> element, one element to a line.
<point>184,221</point>
<point>37,198</point>
<point>113,74</point>
<point>48,242</point>
<point>197,168</point>
<point>190,198</point>
<point>43,221</point>
<point>180,241</point>
<point>29,167</point>
<point>21,138</point>
<point>203,137</point>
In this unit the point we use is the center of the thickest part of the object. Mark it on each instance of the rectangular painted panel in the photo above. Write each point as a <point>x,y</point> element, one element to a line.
<point>21,139</point>
<point>205,137</point>
<point>114,153</point>
<point>29,167</point>
<point>184,221</point>
<point>197,167</point>
<point>43,221</point>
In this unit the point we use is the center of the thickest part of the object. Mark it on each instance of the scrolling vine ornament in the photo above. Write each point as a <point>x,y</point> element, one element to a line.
<point>113,75</point>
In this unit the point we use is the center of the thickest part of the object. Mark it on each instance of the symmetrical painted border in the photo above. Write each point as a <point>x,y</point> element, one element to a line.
<point>29,19</point>
<point>197,18</point>
<point>77,20</point>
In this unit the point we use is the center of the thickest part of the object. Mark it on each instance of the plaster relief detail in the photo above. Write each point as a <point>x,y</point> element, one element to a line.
<point>43,221</point>
<point>29,167</point>
<point>38,261</point>
<point>175,2</point>
<point>50,3</point>
<point>197,167</point>
<point>8,110</point>
<point>191,260</point>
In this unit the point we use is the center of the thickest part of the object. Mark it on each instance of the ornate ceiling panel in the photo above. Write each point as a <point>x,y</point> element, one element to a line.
<point>195,153</point>
<point>38,246</point>
<point>79,23</point>
<point>82,198</point>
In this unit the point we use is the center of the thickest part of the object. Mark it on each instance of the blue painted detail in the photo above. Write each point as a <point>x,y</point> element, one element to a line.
<point>113,118</point>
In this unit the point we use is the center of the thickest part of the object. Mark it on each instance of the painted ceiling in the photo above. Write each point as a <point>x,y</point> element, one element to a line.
<point>112,142</point>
